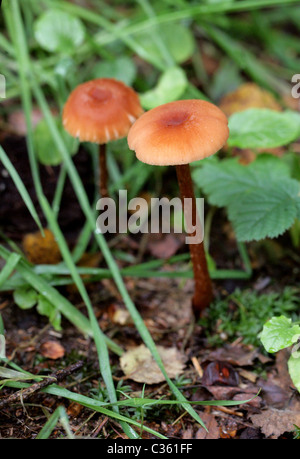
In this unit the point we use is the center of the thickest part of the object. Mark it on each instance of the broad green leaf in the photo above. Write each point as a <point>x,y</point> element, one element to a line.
<point>170,87</point>
<point>262,199</point>
<point>25,298</point>
<point>262,128</point>
<point>225,181</point>
<point>279,333</point>
<point>177,38</point>
<point>268,212</point>
<point>45,147</point>
<point>58,31</point>
<point>45,308</point>
<point>122,69</point>
<point>294,369</point>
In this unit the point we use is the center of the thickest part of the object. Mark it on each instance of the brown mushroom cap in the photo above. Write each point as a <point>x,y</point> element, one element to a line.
<point>178,133</point>
<point>101,110</point>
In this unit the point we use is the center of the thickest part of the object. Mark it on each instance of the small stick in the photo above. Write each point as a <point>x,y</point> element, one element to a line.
<point>52,379</point>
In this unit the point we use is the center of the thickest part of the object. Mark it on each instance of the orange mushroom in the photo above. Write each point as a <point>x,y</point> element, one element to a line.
<point>98,111</point>
<point>179,133</point>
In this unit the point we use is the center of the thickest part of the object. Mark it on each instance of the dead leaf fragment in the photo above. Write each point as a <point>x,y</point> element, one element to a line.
<point>41,249</point>
<point>274,423</point>
<point>165,248</point>
<point>212,427</point>
<point>248,95</point>
<point>139,365</point>
<point>52,350</point>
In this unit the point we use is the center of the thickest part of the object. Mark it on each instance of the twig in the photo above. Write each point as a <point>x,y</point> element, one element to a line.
<point>52,379</point>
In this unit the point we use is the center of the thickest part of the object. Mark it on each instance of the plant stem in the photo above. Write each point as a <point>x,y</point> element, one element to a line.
<point>203,287</point>
<point>103,171</point>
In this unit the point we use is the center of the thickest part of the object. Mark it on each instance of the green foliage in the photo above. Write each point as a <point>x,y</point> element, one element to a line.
<point>262,199</point>
<point>45,147</point>
<point>27,298</point>
<point>170,87</point>
<point>122,68</point>
<point>57,31</point>
<point>263,128</point>
<point>177,38</point>
<point>244,313</point>
<point>280,333</point>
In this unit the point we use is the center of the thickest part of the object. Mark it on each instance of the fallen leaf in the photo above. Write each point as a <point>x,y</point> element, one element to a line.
<point>274,423</point>
<point>220,373</point>
<point>17,121</point>
<point>41,250</point>
<point>74,409</point>
<point>248,95</point>
<point>52,350</point>
<point>165,248</point>
<point>139,365</point>
<point>256,402</point>
<point>235,355</point>
<point>212,427</point>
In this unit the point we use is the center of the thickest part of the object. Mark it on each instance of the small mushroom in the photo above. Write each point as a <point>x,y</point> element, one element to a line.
<point>98,111</point>
<point>179,133</point>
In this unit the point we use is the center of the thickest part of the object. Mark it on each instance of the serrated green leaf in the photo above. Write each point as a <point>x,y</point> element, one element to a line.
<point>25,297</point>
<point>294,369</point>
<point>262,199</point>
<point>58,31</point>
<point>262,128</point>
<point>279,333</point>
<point>268,212</point>
<point>170,87</point>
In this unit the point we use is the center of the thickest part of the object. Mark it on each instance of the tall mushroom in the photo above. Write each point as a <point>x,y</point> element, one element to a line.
<point>179,133</point>
<point>98,111</point>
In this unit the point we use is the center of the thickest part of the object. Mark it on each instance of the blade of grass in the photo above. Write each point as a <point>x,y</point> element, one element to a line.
<point>9,267</point>
<point>61,416</point>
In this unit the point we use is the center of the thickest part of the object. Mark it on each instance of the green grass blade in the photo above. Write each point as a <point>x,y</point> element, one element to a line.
<point>61,416</point>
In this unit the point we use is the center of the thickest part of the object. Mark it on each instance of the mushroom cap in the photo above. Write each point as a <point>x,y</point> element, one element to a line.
<point>101,110</point>
<point>178,133</point>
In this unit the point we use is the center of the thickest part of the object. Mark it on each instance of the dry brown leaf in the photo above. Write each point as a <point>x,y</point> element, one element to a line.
<point>166,247</point>
<point>139,365</point>
<point>212,427</point>
<point>52,350</point>
<point>41,249</point>
<point>248,95</point>
<point>235,355</point>
<point>17,121</point>
<point>274,423</point>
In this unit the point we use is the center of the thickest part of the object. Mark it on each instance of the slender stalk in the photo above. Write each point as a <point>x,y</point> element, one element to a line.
<point>103,171</point>
<point>203,286</point>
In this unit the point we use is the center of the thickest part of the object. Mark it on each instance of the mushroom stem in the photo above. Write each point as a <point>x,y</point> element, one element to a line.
<point>203,286</point>
<point>103,171</point>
